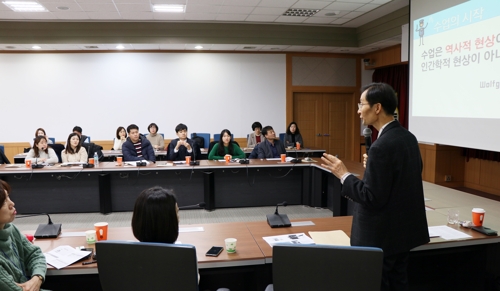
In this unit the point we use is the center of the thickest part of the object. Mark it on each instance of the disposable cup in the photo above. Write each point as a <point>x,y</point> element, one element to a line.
<point>230,245</point>
<point>188,160</point>
<point>27,162</point>
<point>90,236</point>
<point>91,161</point>
<point>297,145</point>
<point>101,229</point>
<point>283,158</point>
<point>478,216</point>
<point>119,161</point>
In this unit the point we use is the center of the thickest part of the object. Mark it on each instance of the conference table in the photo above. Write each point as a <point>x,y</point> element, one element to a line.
<point>109,188</point>
<point>251,266</point>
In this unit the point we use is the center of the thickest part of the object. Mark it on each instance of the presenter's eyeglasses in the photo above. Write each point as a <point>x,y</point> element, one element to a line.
<point>361,105</point>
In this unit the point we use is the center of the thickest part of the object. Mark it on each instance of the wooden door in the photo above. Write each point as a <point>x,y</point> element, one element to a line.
<point>326,121</point>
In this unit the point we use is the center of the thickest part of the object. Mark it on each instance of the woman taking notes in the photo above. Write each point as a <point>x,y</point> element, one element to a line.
<point>121,137</point>
<point>74,151</point>
<point>225,147</point>
<point>41,153</point>
<point>22,264</point>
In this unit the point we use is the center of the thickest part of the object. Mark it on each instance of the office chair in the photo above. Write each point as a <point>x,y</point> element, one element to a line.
<point>326,267</point>
<point>58,148</point>
<point>282,138</point>
<point>124,265</point>
<point>217,136</point>
<point>206,137</point>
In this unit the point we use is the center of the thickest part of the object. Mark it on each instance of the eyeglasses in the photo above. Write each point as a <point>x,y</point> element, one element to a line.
<point>361,105</point>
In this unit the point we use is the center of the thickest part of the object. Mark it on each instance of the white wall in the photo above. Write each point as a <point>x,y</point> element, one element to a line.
<point>101,91</point>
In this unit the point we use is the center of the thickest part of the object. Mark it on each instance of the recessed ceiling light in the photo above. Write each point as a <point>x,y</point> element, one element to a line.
<point>10,47</point>
<point>332,13</point>
<point>62,8</point>
<point>300,12</point>
<point>25,6</point>
<point>175,8</point>
<point>120,47</point>
<point>275,48</point>
<point>36,47</point>
<point>91,47</point>
<point>249,47</point>
<point>198,47</point>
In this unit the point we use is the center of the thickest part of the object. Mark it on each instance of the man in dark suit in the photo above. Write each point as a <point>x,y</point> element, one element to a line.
<point>271,147</point>
<point>389,209</point>
<point>181,147</point>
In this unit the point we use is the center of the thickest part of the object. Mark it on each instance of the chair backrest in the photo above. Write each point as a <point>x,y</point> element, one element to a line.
<point>325,267</point>
<point>206,136</point>
<point>217,136</point>
<point>2,149</point>
<point>124,265</point>
<point>282,138</point>
<point>58,148</point>
<point>87,140</point>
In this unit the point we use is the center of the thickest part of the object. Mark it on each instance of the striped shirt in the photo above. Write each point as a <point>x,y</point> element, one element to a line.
<point>138,148</point>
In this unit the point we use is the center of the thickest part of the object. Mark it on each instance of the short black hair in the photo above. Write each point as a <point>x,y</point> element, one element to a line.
<point>155,216</point>
<point>77,129</point>
<point>381,93</point>
<point>132,126</point>
<point>256,124</point>
<point>151,125</point>
<point>181,126</point>
<point>266,129</point>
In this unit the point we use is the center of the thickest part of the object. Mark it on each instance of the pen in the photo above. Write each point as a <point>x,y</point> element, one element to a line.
<point>88,263</point>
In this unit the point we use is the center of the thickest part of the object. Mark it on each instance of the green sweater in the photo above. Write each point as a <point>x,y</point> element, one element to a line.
<point>15,247</point>
<point>237,152</point>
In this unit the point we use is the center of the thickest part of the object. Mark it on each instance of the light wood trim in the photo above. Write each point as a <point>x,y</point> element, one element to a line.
<point>386,57</point>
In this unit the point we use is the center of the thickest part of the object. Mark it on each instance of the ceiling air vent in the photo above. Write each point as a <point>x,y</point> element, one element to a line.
<point>300,12</point>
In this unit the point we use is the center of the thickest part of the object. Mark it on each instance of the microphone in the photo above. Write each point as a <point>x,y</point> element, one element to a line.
<point>278,220</point>
<point>49,230</point>
<point>196,206</point>
<point>194,162</point>
<point>367,132</point>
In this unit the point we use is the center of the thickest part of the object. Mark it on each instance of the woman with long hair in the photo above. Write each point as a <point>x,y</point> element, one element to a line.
<point>74,151</point>
<point>41,152</point>
<point>226,147</point>
<point>121,137</point>
<point>293,135</point>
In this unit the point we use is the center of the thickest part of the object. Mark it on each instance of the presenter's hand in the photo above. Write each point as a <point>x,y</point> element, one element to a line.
<point>334,165</point>
<point>365,159</point>
<point>31,285</point>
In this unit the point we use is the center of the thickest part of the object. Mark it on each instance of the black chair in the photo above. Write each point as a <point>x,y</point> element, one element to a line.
<point>127,265</point>
<point>3,157</point>
<point>58,148</point>
<point>326,267</point>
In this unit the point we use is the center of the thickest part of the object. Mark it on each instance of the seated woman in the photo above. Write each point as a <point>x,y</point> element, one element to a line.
<point>154,138</point>
<point>156,216</point>
<point>293,136</point>
<point>41,132</point>
<point>22,264</point>
<point>255,137</point>
<point>121,137</point>
<point>74,151</point>
<point>41,153</point>
<point>225,147</point>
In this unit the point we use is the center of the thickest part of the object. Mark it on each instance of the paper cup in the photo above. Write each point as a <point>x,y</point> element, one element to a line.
<point>27,162</point>
<point>91,161</point>
<point>230,245</point>
<point>101,229</point>
<point>478,216</point>
<point>90,236</point>
<point>283,158</point>
<point>297,145</point>
<point>188,160</point>
<point>119,161</point>
<point>227,158</point>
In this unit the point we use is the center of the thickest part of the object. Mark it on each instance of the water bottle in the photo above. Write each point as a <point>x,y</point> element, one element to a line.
<point>96,160</point>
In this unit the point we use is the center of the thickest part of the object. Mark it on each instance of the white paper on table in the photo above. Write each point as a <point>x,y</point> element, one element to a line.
<point>273,159</point>
<point>179,162</point>
<point>293,238</point>
<point>446,232</point>
<point>333,237</point>
<point>63,256</point>
<point>164,164</point>
<point>70,234</point>
<point>134,163</point>
<point>191,229</point>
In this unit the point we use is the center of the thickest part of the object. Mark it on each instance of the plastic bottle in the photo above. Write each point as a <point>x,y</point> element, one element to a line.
<point>96,160</point>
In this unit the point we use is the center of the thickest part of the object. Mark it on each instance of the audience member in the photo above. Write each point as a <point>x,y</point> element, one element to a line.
<point>156,216</point>
<point>41,131</point>
<point>83,138</point>
<point>293,135</point>
<point>74,151</point>
<point>182,146</point>
<point>270,147</point>
<point>154,138</point>
<point>255,137</point>
<point>225,147</point>
<point>137,147</point>
<point>41,152</point>
<point>121,137</point>
<point>22,264</point>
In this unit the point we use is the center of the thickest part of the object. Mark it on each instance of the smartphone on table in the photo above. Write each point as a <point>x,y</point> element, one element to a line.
<point>214,251</point>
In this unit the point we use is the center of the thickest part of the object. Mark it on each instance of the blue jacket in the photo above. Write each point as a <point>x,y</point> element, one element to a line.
<point>130,154</point>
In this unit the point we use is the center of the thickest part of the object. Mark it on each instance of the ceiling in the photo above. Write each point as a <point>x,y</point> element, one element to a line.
<point>242,15</point>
